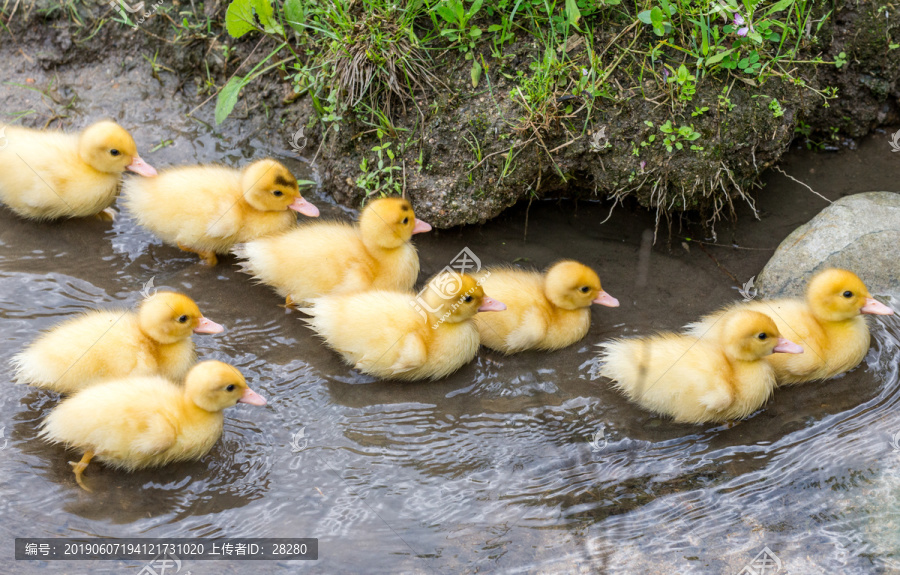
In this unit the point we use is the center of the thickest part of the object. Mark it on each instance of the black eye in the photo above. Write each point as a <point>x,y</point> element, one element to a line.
<point>182,319</point>
<point>405,221</point>
<point>114,152</point>
<point>762,336</point>
<point>467,299</point>
<point>585,289</point>
<point>277,193</point>
<point>848,294</point>
<point>230,387</point>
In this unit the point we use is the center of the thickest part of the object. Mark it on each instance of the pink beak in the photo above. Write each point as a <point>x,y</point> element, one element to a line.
<point>875,307</point>
<point>786,346</point>
<point>252,398</point>
<point>604,298</point>
<point>421,227</point>
<point>305,208</point>
<point>139,166</point>
<point>208,326</point>
<point>490,304</point>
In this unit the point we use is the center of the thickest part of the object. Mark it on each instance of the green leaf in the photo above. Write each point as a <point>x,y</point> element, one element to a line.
<point>716,58</point>
<point>778,7</point>
<point>294,14</point>
<point>573,14</point>
<point>302,183</point>
<point>239,18</point>
<point>645,17</point>
<point>267,16</point>
<point>475,73</point>
<point>445,12</point>
<point>475,32</point>
<point>228,98</point>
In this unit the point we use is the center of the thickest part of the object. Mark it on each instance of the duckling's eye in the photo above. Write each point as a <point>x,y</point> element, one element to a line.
<point>230,387</point>
<point>182,319</point>
<point>467,299</point>
<point>114,152</point>
<point>277,193</point>
<point>762,336</point>
<point>848,294</point>
<point>585,289</point>
<point>405,221</point>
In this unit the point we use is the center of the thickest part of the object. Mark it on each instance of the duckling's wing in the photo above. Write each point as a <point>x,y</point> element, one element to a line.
<point>412,354</point>
<point>717,398</point>
<point>227,225</point>
<point>158,437</point>
<point>529,333</point>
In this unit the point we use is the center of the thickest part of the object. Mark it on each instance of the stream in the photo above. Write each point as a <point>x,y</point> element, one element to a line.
<point>518,464</point>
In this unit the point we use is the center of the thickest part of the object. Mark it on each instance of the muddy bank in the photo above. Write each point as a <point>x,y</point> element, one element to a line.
<point>465,153</point>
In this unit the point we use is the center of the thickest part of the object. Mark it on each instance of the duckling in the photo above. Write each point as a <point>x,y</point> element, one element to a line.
<point>208,209</point>
<point>700,380</point>
<point>829,324</point>
<point>332,257</point>
<point>137,422</point>
<point>397,335</point>
<point>47,175</point>
<point>544,311</point>
<point>102,345</point>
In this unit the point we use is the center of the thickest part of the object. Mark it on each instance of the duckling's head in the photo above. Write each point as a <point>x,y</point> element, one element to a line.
<point>839,295</point>
<point>751,335</point>
<point>270,187</point>
<point>453,297</point>
<point>388,223</point>
<point>571,285</point>
<point>109,148</point>
<point>214,386</point>
<point>171,317</point>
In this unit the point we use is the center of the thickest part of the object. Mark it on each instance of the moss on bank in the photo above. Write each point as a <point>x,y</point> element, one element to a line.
<point>680,111</point>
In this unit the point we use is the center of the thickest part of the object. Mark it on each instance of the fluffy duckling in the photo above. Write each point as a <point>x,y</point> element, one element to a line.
<point>698,381</point>
<point>396,335</point>
<point>544,311</point>
<point>138,422</point>
<point>101,345</point>
<point>331,257</point>
<point>48,174</point>
<point>208,209</point>
<point>829,324</point>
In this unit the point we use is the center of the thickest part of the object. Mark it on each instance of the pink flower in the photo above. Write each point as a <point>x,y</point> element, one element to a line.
<point>739,24</point>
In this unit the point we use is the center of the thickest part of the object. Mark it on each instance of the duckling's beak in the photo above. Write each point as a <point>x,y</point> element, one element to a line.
<point>252,397</point>
<point>875,307</point>
<point>304,207</point>
<point>139,166</point>
<point>208,326</point>
<point>604,298</point>
<point>490,304</point>
<point>421,227</point>
<point>786,346</point>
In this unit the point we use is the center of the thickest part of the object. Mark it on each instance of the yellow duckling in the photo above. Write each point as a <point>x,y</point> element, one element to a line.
<point>397,335</point>
<point>208,209</point>
<point>829,324</point>
<point>331,257</point>
<point>102,345</point>
<point>137,422</point>
<point>698,381</point>
<point>48,174</point>
<point>544,311</point>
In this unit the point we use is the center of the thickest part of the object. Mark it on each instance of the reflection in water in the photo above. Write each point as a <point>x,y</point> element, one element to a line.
<point>497,468</point>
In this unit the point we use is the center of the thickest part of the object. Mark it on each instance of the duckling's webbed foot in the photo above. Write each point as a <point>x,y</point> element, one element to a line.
<point>107,215</point>
<point>79,468</point>
<point>208,258</point>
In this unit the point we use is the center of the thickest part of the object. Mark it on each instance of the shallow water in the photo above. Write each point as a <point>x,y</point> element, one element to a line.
<point>497,468</point>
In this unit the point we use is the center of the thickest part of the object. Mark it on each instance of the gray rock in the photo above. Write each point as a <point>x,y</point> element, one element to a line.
<point>860,233</point>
